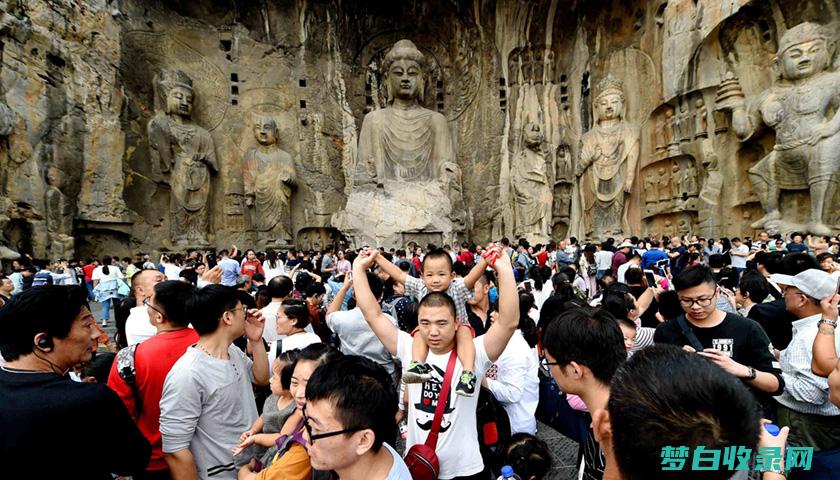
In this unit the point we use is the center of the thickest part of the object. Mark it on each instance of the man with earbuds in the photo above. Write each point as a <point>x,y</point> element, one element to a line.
<point>44,332</point>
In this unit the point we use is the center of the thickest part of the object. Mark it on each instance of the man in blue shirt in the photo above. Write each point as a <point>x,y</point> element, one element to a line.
<point>653,255</point>
<point>230,269</point>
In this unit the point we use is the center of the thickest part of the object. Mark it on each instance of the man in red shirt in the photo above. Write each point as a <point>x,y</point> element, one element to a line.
<point>251,265</point>
<point>152,360</point>
<point>88,268</point>
<point>466,257</point>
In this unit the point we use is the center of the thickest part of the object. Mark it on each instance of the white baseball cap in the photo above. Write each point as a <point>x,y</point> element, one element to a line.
<point>815,283</point>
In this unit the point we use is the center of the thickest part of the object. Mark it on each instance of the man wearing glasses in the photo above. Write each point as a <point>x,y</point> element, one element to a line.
<point>349,415</point>
<point>138,327</point>
<point>141,385</point>
<point>736,344</point>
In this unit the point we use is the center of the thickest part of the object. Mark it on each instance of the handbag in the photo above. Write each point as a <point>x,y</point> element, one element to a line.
<point>421,459</point>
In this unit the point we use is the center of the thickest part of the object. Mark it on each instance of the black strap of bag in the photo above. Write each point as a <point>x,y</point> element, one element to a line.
<point>689,334</point>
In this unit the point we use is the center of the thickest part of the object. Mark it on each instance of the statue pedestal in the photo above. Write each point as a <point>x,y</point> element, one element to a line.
<point>390,216</point>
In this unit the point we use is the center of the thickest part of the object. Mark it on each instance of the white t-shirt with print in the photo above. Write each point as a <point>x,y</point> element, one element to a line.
<point>457,446</point>
<point>740,262</point>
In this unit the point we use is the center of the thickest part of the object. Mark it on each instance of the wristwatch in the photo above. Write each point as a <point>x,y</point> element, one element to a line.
<point>827,321</point>
<point>752,374</point>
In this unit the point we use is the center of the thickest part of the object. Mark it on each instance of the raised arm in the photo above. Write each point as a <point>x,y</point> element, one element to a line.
<point>476,273</point>
<point>824,359</point>
<point>392,270</point>
<point>497,337</point>
<point>338,301</point>
<point>383,328</point>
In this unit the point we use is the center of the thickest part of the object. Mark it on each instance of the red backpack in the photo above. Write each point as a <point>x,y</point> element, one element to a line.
<point>421,459</point>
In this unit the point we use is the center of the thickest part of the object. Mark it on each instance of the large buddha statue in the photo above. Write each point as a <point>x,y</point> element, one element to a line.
<point>188,153</point>
<point>269,175</point>
<point>405,170</point>
<point>607,166</point>
<point>803,108</point>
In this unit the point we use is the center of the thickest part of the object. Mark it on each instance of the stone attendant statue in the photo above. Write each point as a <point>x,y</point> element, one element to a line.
<point>187,151</point>
<point>59,216</point>
<point>269,174</point>
<point>531,188</point>
<point>608,155</point>
<point>803,108</point>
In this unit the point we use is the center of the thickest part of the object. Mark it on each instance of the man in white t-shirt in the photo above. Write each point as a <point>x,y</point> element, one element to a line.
<point>279,289</point>
<point>739,254</point>
<point>336,403</point>
<point>137,326</point>
<point>603,261</point>
<point>355,334</point>
<point>513,381</point>
<point>457,446</point>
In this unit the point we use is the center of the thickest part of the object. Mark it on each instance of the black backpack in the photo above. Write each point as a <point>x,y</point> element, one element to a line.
<point>493,428</point>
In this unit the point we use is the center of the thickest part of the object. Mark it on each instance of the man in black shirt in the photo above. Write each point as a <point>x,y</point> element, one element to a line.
<point>44,332</point>
<point>736,344</point>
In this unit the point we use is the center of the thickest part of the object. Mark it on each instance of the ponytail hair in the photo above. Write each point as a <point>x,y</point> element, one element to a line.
<point>106,260</point>
<point>297,311</point>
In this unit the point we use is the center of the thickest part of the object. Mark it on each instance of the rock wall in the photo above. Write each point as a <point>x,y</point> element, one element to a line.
<point>78,79</point>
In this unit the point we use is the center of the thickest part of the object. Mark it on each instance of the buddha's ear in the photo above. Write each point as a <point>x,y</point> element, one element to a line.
<point>389,95</point>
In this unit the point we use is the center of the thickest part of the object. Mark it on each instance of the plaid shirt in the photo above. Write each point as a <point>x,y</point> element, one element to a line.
<point>459,293</point>
<point>805,392</point>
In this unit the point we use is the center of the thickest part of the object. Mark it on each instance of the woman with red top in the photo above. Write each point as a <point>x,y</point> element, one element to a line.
<point>251,265</point>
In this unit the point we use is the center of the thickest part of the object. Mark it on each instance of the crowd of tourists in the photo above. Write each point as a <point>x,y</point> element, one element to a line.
<point>660,357</point>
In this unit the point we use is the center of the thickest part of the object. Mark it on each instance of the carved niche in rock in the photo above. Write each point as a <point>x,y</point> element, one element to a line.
<point>802,108</point>
<point>531,187</point>
<point>268,177</point>
<point>187,152</point>
<point>406,175</point>
<point>608,156</point>
<point>563,183</point>
<point>58,215</point>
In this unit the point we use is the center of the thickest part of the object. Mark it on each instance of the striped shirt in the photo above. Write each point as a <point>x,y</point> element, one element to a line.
<point>805,392</point>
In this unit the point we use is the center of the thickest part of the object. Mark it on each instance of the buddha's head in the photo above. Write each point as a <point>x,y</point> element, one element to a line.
<point>532,135</point>
<point>265,130</point>
<point>175,92</point>
<point>609,104</point>
<point>405,68</point>
<point>804,50</point>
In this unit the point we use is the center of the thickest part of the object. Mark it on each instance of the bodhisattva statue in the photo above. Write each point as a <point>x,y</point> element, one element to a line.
<point>269,175</point>
<point>532,188</point>
<point>188,151</point>
<point>608,156</point>
<point>404,141</point>
<point>807,151</point>
<point>58,216</point>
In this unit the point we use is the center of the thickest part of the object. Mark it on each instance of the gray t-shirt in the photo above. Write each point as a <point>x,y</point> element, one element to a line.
<point>206,405</point>
<point>357,338</point>
<point>327,262</point>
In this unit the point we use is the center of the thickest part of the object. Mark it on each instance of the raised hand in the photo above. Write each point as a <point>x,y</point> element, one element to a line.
<point>254,325</point>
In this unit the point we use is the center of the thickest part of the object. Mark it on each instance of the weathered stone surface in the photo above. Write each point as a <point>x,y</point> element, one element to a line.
<point>77,80</point>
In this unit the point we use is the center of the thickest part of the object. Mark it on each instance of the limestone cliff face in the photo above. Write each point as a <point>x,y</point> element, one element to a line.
<point>77,79</point>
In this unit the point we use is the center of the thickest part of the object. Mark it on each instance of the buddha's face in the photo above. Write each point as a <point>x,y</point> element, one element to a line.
<point>804,59</point>
<point>610,106</point>
<point>265,131</point>
<point>533,135</point>
<point>179,101</point>
<point>405,76</point>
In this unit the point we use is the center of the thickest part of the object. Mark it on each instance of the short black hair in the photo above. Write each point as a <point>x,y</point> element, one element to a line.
<point>315,289</point>
<point>48,309</point>
<point>318,352</point>
<point>207,306</point>
<point>588,337</point>
<point>633,276</point>
<point>438,299</point>
<point>669,305</point>
<point>172,296</point>
<point>796,263</point>
<point>727,277</point>
<point>693,276</point>
<point>289,357</point>
<point>280,287</point>
<point>298,311</point>
<point>362,393</point>
<point>438,253</point>
<point>664,396</point>
<point>754,286</point>
<point>717,260</point>
<point>618,304</point>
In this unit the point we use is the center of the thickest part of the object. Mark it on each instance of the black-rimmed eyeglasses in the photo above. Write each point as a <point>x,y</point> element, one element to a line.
<point>147,302</point>
<point>313,436</point>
